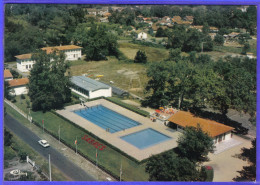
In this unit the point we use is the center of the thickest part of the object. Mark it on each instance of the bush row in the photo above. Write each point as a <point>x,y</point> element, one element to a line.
<point>127,106</point>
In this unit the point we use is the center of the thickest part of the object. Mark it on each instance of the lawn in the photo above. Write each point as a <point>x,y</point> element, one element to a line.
<point>21,146</point>
<point>128,76</point>
<point>109,158</point>
<point>153,54</point>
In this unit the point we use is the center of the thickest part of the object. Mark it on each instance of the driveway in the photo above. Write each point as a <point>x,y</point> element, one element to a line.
<point>225,164</point>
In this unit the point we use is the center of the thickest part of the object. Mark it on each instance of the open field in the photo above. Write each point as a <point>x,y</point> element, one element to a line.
<point>128,76</point>
<point>153,54</point>
<point>109,158</point>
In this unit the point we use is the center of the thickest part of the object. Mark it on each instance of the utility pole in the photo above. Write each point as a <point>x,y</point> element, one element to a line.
<point>120,171</point>
<point>43,125</point>
<point>50,166</point>
<point>202,47</point>
<point>59,133</point>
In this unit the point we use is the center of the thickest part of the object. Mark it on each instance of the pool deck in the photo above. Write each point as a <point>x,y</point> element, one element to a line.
<point>114,138</point>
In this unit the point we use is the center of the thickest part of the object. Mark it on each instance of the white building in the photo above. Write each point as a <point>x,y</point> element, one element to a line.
<point>25,63</point>
<point>19,86</point>
<point>142,36</point>
<point>90,88</point>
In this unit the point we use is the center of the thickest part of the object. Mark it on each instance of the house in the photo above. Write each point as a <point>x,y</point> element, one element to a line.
<point>104,19</point>
<point>142,36</point>
<point>213,29</point>
<point>231,36</point>
<point>189,18</point>
<point>107,14</point>
<point>217,131</point>
<point>92,11</point>
<point>25,63</point>
<point>250,55</point>
<point>176,19</point>
<point>7,75</point>
<point>212,35</point>
<point>90,88</point>
<point>19,86</point>
<point>199,28</point>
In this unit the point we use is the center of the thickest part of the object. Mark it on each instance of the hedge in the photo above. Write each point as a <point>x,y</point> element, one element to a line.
<point>127,106</point>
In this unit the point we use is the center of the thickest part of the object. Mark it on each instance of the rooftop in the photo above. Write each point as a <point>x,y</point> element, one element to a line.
<point>24,56</point>
<point>60,48</point>
<point>7,74</point>
<point>18,82</point>
<point>211,127</point>
<point>88,83</point>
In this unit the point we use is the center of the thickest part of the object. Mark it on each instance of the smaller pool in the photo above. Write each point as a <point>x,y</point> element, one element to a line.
<point>145,138</point>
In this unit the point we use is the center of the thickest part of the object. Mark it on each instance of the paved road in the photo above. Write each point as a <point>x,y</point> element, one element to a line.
<point>57,159</point>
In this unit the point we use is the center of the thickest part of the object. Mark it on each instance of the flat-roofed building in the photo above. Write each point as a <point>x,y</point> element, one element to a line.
<point>19,86</point>
<point>7,75</point>
<point>217,131</point>
<point>90,88</point>
<point>24,62</point>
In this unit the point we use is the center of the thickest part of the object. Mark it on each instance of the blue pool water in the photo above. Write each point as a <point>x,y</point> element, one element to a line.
<point>145,138</point>
<point>106,118</point>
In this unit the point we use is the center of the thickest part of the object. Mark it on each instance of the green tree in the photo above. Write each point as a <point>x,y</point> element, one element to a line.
<point>140,57</point>
<point>175,54</point>
<point>160,32</point>
<point>219,40</point>
<point>195,144</point>
<point>169,167</point>
<point>7,90</point>
<point>248,173</point>
<point>48,85</point>
<point>245,49</point>
<point>7,138</point>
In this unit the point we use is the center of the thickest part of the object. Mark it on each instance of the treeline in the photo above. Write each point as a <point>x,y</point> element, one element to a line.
<point>197,81</point>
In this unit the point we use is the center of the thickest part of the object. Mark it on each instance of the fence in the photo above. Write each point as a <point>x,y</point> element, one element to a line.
<point>18,110</point>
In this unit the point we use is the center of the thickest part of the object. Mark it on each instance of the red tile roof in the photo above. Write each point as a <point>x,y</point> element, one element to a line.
<point>18,82</point>
<point>60,48</point>
<point>24,56</point>
<point>7,74</point>
<point>213,128</point>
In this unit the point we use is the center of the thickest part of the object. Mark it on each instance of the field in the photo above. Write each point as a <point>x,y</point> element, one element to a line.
<point>109,158</point>
<point>153,54</point>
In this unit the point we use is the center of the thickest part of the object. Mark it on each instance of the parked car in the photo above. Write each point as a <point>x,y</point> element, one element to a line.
<point>44,143</point>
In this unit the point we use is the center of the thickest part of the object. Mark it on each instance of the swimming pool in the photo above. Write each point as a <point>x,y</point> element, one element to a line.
<point>106,118</point>
<point>145,138</point>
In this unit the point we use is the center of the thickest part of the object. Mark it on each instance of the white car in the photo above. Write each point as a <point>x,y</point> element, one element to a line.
<point>44,143</point>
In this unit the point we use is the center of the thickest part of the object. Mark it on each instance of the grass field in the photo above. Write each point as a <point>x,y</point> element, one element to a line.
<point>109,158</point>
<point>124,75</point>
<point>21,146</point>
<point>153,54</point>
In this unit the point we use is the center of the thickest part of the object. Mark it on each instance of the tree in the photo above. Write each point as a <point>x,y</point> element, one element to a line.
<point>140,57</point>
<point>97,42</point>
<point>195,144</point>
<point>219,40</point>
<point>7,138</point>
<point>248,173</point>
<point>169,167</point>
<point>160,32</point>
<point>7,90</point>
<point>245,48</point>
<point>48,85</point>
<point>175,54</point>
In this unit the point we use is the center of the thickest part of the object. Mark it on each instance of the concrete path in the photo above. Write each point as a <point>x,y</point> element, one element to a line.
<point>225,164</point>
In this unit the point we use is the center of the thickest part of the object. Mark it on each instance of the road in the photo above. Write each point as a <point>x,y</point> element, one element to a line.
<point>57,159</point>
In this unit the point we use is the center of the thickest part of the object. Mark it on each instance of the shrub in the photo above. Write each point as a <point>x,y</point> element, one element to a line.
<point>22,96</point>
<point>22,156</point>
<point>207,173</point>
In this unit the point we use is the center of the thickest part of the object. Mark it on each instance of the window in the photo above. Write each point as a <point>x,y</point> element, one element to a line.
<point>224,135</point>
<point>26,66</point>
